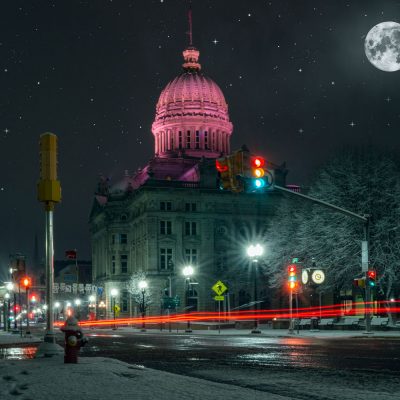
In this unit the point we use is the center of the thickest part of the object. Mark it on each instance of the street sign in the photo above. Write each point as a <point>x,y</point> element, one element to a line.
<point>219,298</point>
<point>219,288</point>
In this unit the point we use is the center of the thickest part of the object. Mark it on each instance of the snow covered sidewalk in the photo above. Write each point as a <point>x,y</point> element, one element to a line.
<point>104,378</point>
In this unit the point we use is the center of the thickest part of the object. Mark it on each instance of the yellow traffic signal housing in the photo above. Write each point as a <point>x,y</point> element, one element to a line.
<point>49,188</point>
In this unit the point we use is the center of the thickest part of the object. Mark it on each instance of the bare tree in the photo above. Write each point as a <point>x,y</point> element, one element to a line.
<point>136,294</point>
<point>364,181</point>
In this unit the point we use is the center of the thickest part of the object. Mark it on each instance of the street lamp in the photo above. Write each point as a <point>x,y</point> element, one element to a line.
<point>78,303</point>
<point>57,308</point>
<point>92,304</point>
<point>10,288</point>
<point>187,273</point>
<point>114,294</point>
<point>254,252</point>
<point>142,286</point>
<point>26,282</point>
<point>7,314</point>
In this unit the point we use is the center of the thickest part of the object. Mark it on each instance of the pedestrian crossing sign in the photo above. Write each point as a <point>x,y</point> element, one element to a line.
<point>219,288</point>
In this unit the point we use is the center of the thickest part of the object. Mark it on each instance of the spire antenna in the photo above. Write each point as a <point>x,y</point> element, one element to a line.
<point>190,32</point>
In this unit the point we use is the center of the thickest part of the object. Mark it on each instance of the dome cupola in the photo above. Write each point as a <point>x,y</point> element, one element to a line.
<point>191,114</point>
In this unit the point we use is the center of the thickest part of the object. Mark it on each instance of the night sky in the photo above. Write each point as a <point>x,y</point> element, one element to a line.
<point>294,73</point>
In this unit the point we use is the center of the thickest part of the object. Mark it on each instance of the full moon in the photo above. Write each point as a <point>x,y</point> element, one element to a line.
<point>382,46</point>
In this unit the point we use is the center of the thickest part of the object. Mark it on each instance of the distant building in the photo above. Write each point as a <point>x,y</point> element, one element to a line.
<point>171,213</point>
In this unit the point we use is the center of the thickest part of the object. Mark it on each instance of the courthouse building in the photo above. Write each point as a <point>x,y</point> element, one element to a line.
<point>171,213</point>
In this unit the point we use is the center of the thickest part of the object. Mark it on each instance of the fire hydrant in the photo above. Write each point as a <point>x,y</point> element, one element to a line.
<point>74,340</point>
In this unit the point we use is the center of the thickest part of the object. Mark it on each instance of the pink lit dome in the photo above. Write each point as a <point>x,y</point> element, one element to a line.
<point>191,114</point>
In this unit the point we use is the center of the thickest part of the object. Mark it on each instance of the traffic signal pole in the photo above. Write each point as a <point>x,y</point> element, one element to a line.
<point>365,246</point>
<point>49,193</point>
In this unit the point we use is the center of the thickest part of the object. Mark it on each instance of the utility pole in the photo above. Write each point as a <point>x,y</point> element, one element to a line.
<point>49,193</point>
<point>364,244</point>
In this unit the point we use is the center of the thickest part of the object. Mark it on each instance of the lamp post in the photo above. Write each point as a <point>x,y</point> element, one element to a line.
<point>78,303</point>
<point>57,308</point>
<point>114,294</point>
<point>9,288</point>
<point>254,252</point>
<point>26,282</point>
<point>187,273</point>
<point>142,286</point>
<point>92,304</point>
<point>7,312</point>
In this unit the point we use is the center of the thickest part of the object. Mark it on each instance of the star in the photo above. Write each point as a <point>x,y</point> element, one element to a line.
<point>215,41</point>
<point>388,99</point>
<point>301,130</point>
<point>6,131</point>
<point>300,70</point>
<point>352,124</point>
<point>333,83</point>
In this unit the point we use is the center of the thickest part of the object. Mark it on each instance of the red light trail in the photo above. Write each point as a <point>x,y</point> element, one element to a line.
<point>330,311</point>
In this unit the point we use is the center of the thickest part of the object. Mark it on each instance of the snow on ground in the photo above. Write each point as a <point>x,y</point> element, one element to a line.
<point>105,378</point>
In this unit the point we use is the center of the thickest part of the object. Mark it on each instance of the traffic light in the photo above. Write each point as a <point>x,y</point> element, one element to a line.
<point>292,277</point>
<point>371,278</point>
<point>230,170</point>
<point>255,174</point>
<point>26,282</point>
<point>359,282</point>
<point>48,187</point>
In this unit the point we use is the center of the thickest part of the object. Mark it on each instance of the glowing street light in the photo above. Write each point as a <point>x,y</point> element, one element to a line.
<point>188,271</point>
<point>114,294</point>
<point>254,252</point>
<point>143,286</point>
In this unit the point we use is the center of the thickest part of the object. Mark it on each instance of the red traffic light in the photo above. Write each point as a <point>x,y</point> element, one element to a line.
<point>26,282</point>
<point>221,167</point>
<point>257,162</point>
<point>292,268</point>
<point>371,274</point>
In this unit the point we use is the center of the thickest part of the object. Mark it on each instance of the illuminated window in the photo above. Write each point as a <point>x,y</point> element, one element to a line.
<point>197,139</point>
<point>188,139</point>
<point>180,139</point>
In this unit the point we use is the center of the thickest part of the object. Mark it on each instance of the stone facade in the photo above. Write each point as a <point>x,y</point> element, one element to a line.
<point>172,214</point>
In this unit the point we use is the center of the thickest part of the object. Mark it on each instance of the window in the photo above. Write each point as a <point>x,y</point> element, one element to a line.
<point>113,264</point>
<point>180,139</point>
<point>166,259</point>
<point>222,260</point>
<point>188,139</point>
<point>165,227</point>
<point>124,300</point>
<point>124,263</point>
<point>206,140</point>
<point>191,256</point>
<point>190,207</point>
<point>190,228</point>
<point>197,139</point>
<point>165,206</point>
<point>123,238</point>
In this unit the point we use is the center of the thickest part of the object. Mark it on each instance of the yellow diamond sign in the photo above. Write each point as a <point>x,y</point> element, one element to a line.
<point>219,288</point>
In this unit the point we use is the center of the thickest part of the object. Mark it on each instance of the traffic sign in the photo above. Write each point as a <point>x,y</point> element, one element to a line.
<point>219,298</point>
<point>219,288</point>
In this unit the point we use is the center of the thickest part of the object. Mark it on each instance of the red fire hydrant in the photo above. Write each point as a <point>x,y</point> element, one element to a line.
<point>74,340</point>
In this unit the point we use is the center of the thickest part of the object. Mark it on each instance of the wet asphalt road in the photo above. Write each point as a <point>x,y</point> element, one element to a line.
<point>266,364</point>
